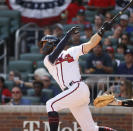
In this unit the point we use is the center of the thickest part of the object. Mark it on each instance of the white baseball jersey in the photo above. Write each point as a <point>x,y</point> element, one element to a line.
<point>66,67</point>
<point>66,70</point>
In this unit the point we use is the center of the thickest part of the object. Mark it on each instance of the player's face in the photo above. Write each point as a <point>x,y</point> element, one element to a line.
<point>47,48</point>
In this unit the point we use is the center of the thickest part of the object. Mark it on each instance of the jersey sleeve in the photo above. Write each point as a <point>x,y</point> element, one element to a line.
<point>46,62</point>
<point>76,51</point>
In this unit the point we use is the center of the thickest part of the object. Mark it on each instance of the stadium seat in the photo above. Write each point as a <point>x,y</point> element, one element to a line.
<point>82,65</point>
<point>130,47</point>
<point>119,56</point>
<point>34,57</point>
<point>115,47</point>
<point>40,64</point>
<point>84,57</point>
<point>34,49</point>
<point>34,100</point>
<point>22,66</point>
<point>30,92</point>
<point>89,13</point>
<point>4,27</point>
<point>114,41</point>
<point>108,33</point>
<point>9,84</point>
<point>48,93</point>
<point>45,92</point>
<point>14,16</point>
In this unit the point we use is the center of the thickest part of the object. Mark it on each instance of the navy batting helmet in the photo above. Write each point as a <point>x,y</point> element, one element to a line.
<point>47,43</point>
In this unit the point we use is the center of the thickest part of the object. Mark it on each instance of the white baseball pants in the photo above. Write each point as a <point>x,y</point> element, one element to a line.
<point>76,98</point>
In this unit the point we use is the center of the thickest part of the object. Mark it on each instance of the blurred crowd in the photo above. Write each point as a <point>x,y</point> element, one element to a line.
<point>113,55</point>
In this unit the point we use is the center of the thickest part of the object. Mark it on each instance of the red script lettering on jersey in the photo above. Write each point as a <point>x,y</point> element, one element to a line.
<point>67,58</point>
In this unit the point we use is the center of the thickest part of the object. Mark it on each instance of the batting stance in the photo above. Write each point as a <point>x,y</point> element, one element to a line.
<point>63,66</point>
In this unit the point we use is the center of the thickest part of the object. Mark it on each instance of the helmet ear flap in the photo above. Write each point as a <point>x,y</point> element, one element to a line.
<point>56,43</point>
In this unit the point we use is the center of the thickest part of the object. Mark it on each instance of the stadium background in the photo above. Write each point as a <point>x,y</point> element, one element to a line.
<point>20,31</point>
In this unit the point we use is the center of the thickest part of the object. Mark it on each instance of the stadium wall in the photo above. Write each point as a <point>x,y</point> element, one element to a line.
<point>34,118</point>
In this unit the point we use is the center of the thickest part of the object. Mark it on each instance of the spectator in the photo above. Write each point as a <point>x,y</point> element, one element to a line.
<point>108,16</point>
<point>98,21</point>
<point>131,18</point>
<point>48,85</point>
<point>58,31</point>
<point>117,33</point>
<point>80,18</point>
<point>126,90</point>
<point>115,62</point>
<point>120,4</point>
<point>47,31</point>
<point>99,62</point>
<point>121,49</point>
<point>125,39</point>
<point>72,10</point>
<point>11,76</point>
<point>16,78</point>
<point>122,90</point>
<point>101,5</point>
<point>38,86</point>
<point>127,67</point>
<point>5,93</point>
<point>88,32</point>
<point>124,19</point>
<point>17,97</point>
<point>39,73</point>
<point>107,42</point>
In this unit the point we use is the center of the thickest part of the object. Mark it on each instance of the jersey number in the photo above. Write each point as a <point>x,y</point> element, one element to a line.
<point>67,58</point>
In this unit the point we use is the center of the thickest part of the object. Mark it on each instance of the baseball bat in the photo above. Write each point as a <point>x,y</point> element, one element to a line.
<point>121,12</point>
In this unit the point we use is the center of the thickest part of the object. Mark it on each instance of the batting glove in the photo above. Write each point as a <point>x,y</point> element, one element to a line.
<point>105,27</point>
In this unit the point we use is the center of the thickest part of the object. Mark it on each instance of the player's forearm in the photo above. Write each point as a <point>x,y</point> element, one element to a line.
<point>54,55</point>
<point>95,39</point>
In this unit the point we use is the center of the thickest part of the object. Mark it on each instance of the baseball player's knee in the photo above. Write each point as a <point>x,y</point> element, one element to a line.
<point>49,105</point>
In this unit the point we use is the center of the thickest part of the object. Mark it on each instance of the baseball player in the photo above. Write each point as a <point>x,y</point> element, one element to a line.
<point>63,66</point>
